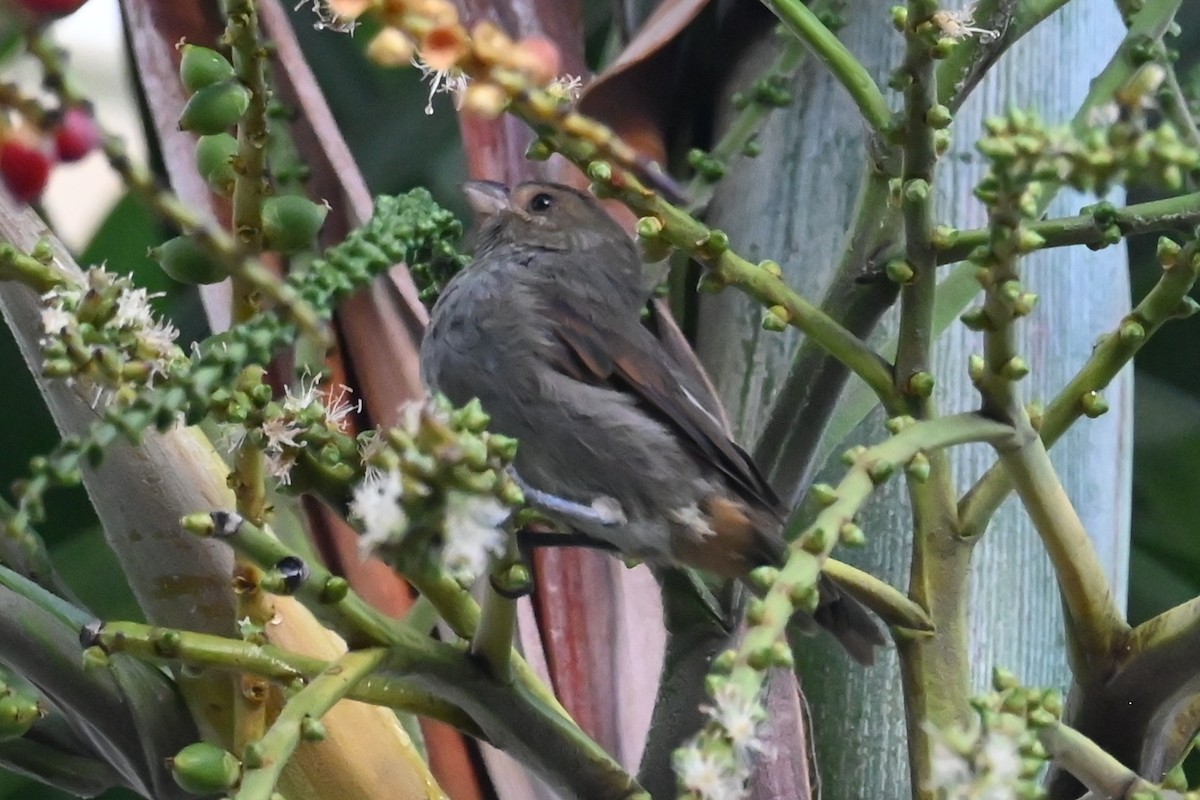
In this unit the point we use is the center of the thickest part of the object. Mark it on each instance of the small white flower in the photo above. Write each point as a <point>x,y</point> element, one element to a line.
<point>1000,758</point>
<point>471,533</point>
<point>408,415</point>
<point>327,18</point>
<point>710,775</point>
<point>452,81</point>
<point>55,318</point>
<point>133,309</point>
<point>376,503</point>
<point>959,25</point>
<point>568,87</point>
<point>282,446</point>
<point>99,278</point>
<point>739,716</point>
<point>339,407</point>
<point>948,769</point>
<point>983,765</point>
<point>370,446</point>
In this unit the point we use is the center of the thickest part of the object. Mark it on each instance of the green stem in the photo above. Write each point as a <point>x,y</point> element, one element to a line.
<point>462,614</point>
<point>847,69</point>
<point>1090,764</point>
<point>1171,214</point>
<point>163,645</point>
<point>265,759</point>
<point>249,482</point>
<point>884,599</point>
<point>915,338</point>
<point>250,186</point>
<point>970,60</point>
<point>1149,24</point>
<point>801,412</point>
<point>1094,622</point>
<point>1167,300</point>
<point>356,621</point>
<point>491,703</point>
<point>24,268</point>
<point>996,380</point>
<point>823,329</point>
<point>1178,111</point>
<point>1168,627</point>
<point>745,125</point>
<point>796,581</point>
<point>934,670</point>
<point>493,639</point>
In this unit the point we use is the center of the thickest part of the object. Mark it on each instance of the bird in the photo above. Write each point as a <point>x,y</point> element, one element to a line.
<point>618,438</point>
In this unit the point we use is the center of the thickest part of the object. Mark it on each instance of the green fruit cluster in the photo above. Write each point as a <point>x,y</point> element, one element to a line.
<point>218,99</point>
<point>218,102</point>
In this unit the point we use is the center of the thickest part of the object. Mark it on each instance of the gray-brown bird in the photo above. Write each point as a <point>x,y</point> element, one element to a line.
<point>618,439</point>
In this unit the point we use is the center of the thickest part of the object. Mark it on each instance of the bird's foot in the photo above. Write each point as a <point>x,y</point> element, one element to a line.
<point>603,510</point>
<point>609,511</point>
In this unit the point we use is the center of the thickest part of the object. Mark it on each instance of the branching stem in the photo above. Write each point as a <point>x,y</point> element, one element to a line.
<point>847,69</point>
<point>272,751</point>
<point>1094,621</point>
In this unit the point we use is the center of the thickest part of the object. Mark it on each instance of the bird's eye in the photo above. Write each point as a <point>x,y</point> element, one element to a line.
<point>541,202</point>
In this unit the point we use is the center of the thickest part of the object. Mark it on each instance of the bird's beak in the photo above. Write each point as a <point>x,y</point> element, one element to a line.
<point>486,198</point>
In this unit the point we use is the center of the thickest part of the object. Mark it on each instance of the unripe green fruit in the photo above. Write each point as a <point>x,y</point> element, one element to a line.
<point>18,712</point>
<point>290,222</point>
<point>204,768</point>
<point>201,66</point>
<point>214,160</point>
<point>185,260</point>
<point>214,108</point>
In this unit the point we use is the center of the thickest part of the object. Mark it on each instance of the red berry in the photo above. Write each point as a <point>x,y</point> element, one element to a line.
<point>25,168</point>
<point>50,9</point>
<point>77,135</point>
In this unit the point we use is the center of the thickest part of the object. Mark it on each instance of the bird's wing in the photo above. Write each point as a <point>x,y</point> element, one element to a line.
<point>632,360</point>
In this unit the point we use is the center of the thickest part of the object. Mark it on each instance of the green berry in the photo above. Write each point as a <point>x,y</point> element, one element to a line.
<point>18,712</point>
<point>214,160</point>
<point>290,222</point>
<point>204,768</point>
<point>185,260</point>
<point>202,66</point>
<point>214,108</point>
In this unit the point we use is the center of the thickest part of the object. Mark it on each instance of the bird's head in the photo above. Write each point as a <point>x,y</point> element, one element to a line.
<point>539,214</point>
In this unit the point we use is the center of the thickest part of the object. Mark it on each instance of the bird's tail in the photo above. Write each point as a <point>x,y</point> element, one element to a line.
<point>849,622</point>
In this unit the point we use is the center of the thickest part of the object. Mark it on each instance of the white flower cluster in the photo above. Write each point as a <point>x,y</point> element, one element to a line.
<point>283,430</point>
<point>988,770</point>
<point>471,534</point>
<point>129,329</point>
<point>471,529</point>
<point>717,764</point>
<point>377,505</point>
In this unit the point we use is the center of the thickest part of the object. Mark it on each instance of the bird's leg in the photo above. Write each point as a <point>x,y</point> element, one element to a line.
<point>527,540</point>
<point>603,510</point>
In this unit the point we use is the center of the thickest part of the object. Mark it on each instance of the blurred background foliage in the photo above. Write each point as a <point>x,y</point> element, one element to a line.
<point>382,116</point>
